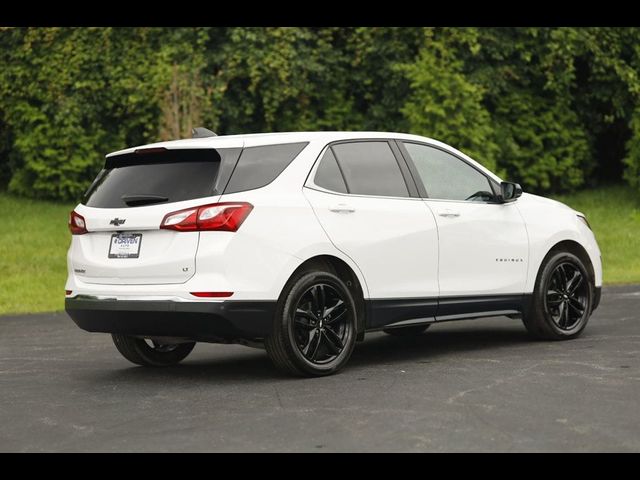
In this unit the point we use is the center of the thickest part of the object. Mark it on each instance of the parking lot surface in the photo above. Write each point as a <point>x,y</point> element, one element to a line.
<point>477,385</point>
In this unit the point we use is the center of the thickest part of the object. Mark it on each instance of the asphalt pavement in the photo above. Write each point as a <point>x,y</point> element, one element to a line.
<point>478,385</point>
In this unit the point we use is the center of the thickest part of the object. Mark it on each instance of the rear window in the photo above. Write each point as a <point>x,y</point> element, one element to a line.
<point>259,166</point>
<point>138,179</point>
<point>165,176</point>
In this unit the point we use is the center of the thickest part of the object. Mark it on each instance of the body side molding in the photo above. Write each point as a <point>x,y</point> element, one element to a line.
<point>399,312</point>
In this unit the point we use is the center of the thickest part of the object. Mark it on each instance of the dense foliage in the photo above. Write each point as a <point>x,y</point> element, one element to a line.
<point>553,108</point>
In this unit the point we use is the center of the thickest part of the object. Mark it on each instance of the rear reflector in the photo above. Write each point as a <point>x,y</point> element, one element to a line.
<point>211,294</point>
<point>77,224</point>
<point>225,216</point>
<point>68,292</point>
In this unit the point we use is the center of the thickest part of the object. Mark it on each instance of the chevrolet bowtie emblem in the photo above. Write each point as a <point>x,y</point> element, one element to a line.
<point>116,221</point>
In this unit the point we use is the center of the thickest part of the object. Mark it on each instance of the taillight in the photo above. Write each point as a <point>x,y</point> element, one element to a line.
<point>226,216</point>
<point>183,220</point>
<point>77,224</point>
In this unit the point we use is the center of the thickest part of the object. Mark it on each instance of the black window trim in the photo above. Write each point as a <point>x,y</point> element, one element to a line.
<point>495,188</point>
<point>335,158</point>
<point>316,166</point>
<point>409,181</point>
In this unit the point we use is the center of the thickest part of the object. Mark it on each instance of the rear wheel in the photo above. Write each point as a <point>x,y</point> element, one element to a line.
<point>150,353</point>
<point>314,330</point>
<point>562,298</point>
<point>411,331</point>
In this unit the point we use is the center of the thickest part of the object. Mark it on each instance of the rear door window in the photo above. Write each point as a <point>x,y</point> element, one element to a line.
<point>328,174</point>
<point>370,168</point>
<point>164,176</point>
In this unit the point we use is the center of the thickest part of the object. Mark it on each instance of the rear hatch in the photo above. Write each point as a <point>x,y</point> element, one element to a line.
<point>125,205</point>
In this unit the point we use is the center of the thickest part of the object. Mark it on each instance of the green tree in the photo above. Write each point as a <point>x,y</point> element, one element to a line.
<point>70,95</point>
<point>596,71</point>
<point>632,160</point>
<point>554,108</point>
<point>542,141</point>
<point>444,104</point>
<point>267,75</point>
<point>185,96</point>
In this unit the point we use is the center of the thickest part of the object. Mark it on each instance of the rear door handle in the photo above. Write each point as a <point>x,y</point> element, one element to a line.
<point>449,214</point>
<point>342,208</point>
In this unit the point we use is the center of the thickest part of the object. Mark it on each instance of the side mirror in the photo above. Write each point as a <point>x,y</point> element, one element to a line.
<point>509,192</point>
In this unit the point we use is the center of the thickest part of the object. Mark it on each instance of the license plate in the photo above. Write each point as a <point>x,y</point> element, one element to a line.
<point>125,245</point>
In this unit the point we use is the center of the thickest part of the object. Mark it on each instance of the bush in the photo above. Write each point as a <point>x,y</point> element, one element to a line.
<point>632,160</point>
<point>542,144</point>
<point>446,106</point>
<point>71,95</point>
<point>535,103</point>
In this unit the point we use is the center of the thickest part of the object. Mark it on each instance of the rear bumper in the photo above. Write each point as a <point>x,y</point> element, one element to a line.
<point>202,321</point>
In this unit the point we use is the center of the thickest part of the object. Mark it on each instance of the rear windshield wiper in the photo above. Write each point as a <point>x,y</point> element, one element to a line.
<point>138,200</point>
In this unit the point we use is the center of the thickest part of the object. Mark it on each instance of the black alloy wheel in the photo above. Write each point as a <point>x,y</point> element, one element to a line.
<point>321,324</point>
<point>314,330</point>
<point>562,300</point>
<point>567,296</point>
<point>151,353</point>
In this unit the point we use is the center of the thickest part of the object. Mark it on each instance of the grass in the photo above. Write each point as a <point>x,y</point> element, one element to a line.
<point>614,215</point>
<point>34,240</point>
<point>33,246</point>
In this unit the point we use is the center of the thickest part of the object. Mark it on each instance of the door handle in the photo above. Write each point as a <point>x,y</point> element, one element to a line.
<point>342,208</point>
<point>449,214</point>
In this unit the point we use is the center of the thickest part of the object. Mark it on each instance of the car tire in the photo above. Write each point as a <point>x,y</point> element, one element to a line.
<point>314,330</point>
<point>562,299</point>
<point>410,331</point>
<point>138,351</point>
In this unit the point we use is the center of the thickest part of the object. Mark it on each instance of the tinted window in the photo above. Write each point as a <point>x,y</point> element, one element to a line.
<point>147,178</point>
<point>259,166</point>
<point>370,168</point>
<point>447,177</point>
<point>328,174</point>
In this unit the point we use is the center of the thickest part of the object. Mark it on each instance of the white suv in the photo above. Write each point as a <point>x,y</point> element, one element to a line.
<point>302,242</point>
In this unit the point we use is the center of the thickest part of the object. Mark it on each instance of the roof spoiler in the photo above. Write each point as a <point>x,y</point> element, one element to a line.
<point>201,132</point>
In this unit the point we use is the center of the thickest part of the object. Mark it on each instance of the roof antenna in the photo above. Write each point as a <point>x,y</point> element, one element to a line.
<point>201,132</point>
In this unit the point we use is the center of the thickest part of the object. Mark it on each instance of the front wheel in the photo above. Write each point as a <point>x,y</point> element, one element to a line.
<point>314,329</point>
<point>562,299</point>
<point>150,353</point>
